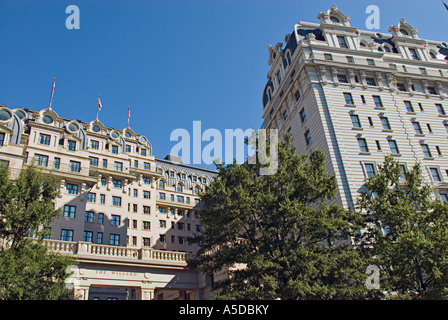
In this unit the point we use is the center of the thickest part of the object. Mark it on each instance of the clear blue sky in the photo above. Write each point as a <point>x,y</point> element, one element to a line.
<point>172,61</point>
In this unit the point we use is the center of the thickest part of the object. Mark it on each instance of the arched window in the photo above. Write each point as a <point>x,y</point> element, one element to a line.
<point>432,55</point>
<point>161,184</point>
<point>334,19</point>
<point>179,187</point>
<point>404,32</point>
<point>387,49</point>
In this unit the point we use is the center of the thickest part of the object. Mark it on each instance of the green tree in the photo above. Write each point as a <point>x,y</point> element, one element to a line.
<point>283,228</point>
<point>27,269</point>
<point>407,233</point>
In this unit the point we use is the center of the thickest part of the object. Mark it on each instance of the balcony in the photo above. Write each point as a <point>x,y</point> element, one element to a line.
<point>73,171</point>
<point>111,169</point>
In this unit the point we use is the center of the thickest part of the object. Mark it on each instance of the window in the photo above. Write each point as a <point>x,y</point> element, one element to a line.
<point>435,174</point>
<point>393,147</point>
<point>71,145</point>
<point>307,137</point>
<point>446,127</point>
<point>439,151</point>
<point>114,149</point>
<point>179,187</point>
<point>342,79</point>
<point>432,90</point>
<point>162,223</point>
<point>134,208</point>
<point>181,240</point>
<point>71,188</point>
<point>41,160</point>
<point>91,197</point>
<point>196,190</point>
<point>370,62</point>
<point>66,235</point>
<point>403,171</point>
<point>172,197</point>
<point>348,98</point>
<point>88,216</point>
<point>429,127</point>
<point>350,59</point>
<point>385,123</point>
<point>94,144</point>
<point>69,211</point>
<point>57,163</point>
<point>128,148</point>
<point>417,128</point>
<point>117,183</point>
<point>423,71</point>
<point>180,199</point>
<point>116,201</point>
<point>181,226</point>
<point>118,166</point>
<point>409,107</point>
<point>440,109</point>
<point>328,56</point>
<point>401,87</point>
<point>443,196</point>
<point>147,210</point>
<point>75,166</point>
<point>426,151</point>
<point>279,77</point>
<point>146,242</point>
<point>370,82</point>
<point>421,107</point>
<point>162,196</point>
<point>183,176</point>
<point>146,225</point>
<point>143,152</point>
<point>377,101</point>
<point>146,166</point>
<point>146,195</point>
<point>162,238</point>
<point>93,161</point>
<point>105,163</point>
<point>355,121</point>
<point>378,145</point>
<point>370,169</point>
<point>363,145</point>
<point>2,139</point>
<point>115,220</point>
<point>370,121</point>
<point>161,184</point>
<point>414,54</point>
<point>303,115</point>
<point>44,139</point>
<point>342,42</point>
<point>114,239</point>
<point>172,174</point>
<point>101,218</point>
<point>194,178</point>
<point>103,181</point>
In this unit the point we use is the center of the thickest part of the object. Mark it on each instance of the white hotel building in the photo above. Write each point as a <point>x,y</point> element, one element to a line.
<point>360,95</point>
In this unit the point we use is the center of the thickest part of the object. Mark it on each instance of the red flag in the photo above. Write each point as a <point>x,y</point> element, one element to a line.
<point>52,92</point>
<point>99,103</point>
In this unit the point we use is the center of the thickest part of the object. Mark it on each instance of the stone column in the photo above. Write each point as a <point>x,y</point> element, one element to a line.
<point>81,292</point>
<point>146,294</point>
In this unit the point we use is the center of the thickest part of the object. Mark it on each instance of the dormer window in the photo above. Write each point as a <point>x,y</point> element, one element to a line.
<point>404,32</point>
<point>414,54</point>
<point>342,42</point>
<point>334,19</point>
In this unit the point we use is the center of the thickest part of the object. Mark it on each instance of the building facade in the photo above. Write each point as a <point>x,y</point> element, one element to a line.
<point>360,95</point>
<point>126,215</point>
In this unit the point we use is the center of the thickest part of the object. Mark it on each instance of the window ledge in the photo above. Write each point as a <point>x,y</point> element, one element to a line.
<point>428,158</point>
<point>365,153</point>
<point>388,130</point>
<point>395,154</point>
<point>358,128</point>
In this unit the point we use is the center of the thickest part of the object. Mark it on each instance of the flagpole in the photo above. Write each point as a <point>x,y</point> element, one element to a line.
<point>129,114</point>
<point>97,108</point>
<point>52,93</point>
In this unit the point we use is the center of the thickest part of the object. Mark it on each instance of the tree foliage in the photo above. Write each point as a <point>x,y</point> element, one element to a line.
<point>283,228</point>
<point>407,233</point>
<point>27,269</point>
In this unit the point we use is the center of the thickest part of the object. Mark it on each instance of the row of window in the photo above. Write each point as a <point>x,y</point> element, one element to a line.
<point>67,235</point>
<point>95,144</point>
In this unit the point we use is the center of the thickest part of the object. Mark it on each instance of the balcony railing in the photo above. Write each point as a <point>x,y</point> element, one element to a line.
<point>81,248</point>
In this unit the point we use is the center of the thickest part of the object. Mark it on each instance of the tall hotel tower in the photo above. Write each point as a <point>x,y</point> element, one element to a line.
<point>360,95</point>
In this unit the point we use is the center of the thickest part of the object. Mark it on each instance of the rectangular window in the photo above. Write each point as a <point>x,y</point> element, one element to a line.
<point>114,149</point>
<point>162,238</point>
<point>377,101</point>
<point>105,163</point>
<point>71,145</point>
<point>370,62</point>
<point>414,54</point>
<point>342,79</point>
<point>2,139</point>
<point>71,188</point>
<point>88,216</point>
<point>439,151</point>
<point>350,59</point>
<point>146,195</point>
<point>307,137</point>
<point>429,127</point>
<point>435,174</point>
<point>117,183</point>
<point>355,121</point>
<point>143,152</point>
<point>401,87</point>
<point>75,166</point>
<point>426,151</point>
<point>342,42</point>
<point>385,123</point>
<point>103,181</point>
<point>162,223</point>
<point>146,225</point>
<point>99,238</point>
<point>114,239</point>
<point>417,128</point>
<point>101,218</point>
<point>146,166</point>
<point>128,148</point>
<point>393,147</point>
<point>370,169</point>
<point>181,226</point>
<point>147,210</point>
<point>66,235</point>
<point>118,166</point>
<point>147,180</point>
<point>303,115</point>
<point>370,81</point>
<point>432,90</point>
<point>57,163</point>
<point>409,107</point>
<point>116,201</point>
<point>181,240</point>
<point>440,109</point>
<point>44,139</point>
<point>93,161</point>
<point>41,160</point>
<point>378,145</point>
<point>363,145</point>
<point>370,121</point>
<point>69,211</point>
<point>180,199</point>
<point>94,144</point>
<point>162,196</point>
<point>423,71</point>
<point>348,98</point>
<point>146,242</point>
<point>91,197</point>
<point>328,57</point>
<point>115,220</point>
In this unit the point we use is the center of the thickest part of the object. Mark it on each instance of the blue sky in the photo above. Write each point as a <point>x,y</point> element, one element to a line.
<point>172,61</point>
